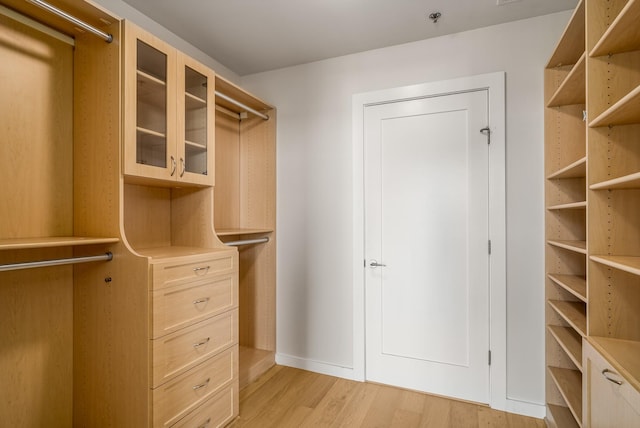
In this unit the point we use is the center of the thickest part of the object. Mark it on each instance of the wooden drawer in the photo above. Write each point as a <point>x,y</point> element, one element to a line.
<point>215,412</point>
<point>173,400</point>
<point>179,351</point>
<point>184,305</point>
<point>193,268</point>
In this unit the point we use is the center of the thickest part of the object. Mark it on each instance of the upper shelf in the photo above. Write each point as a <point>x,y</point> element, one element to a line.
<point>622,35</point>
<point>573,88</point>
<point>628,264</point>
<point>235,232</point>
<point>51,242</point>
<point>571,45</point>
<point>631,181</point>
<point>624,112</point>
<point>576,246</point>
<point>577,169</point>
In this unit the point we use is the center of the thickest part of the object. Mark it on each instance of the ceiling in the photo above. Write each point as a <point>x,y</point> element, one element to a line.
<point>250,36</point>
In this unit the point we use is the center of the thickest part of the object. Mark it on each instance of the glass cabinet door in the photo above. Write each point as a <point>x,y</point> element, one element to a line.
<point>196,100</point>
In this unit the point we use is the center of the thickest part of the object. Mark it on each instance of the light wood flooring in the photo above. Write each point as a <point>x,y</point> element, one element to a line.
<point>287,397</point>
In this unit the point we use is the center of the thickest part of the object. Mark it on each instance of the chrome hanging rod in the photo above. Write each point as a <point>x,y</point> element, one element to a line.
<point>56,262</point>
<point>248,241</point>
<point>242,106</point>
<point>64,15</point>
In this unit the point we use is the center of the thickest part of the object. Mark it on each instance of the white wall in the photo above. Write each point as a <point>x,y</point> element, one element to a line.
<point>315,314</point>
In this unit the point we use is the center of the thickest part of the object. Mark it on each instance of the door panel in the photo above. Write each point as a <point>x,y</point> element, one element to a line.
<point>426,221</point>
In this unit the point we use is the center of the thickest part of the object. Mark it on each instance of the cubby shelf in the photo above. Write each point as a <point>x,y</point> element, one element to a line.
<point>577,169</point>
<point>575,246</point>
<point>572,89</point>
<point>569,341</point>
<point>574,313</point>
<point>631,181</point>
<point>622,35</point>
<point>569,206</point>
<point>574,284</point>
<point>624,112</point>
<point>571,45</point>
<point>624,263</point>
<point>562,416</point>
<point>569,383</point>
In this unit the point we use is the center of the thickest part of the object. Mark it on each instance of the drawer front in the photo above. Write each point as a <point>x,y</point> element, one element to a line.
<point>183,305</point>
<point>179,351</point>
<point>193,269</point>
<point>215,412</point>
<point>178,397</point>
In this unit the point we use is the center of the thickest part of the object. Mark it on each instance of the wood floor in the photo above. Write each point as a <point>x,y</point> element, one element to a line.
<point>287,397</point>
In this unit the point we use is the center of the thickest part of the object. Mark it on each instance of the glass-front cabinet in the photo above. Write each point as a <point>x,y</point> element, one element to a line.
<point>168,113</point>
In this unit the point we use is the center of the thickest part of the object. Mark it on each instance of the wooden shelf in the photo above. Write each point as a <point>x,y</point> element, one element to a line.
<point>193,102</point>
<point>575,246</point>
<point>574,313</point>
<point>196,146</point>
<point>571,45</point>
<point>253,363</point>
<point>146,131</point>
<point>576,285</point>
<point>234,232</point>
<point>623,356</point>
<point>569,341</point>
<point>631,181</point>
<point>578,169</point>
<point>146,77</point>
<point>624,112</point>
<point>173,253</point>
<point>562,416</point>
<point>50,242</point>
<point>625,263</point>
<point>569,383</point>
<point>622,35</point>
<point>571,206</point>
<point>572,90</point>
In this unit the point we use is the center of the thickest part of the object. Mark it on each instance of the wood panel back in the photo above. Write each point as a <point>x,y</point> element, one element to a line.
<point>227,190</point>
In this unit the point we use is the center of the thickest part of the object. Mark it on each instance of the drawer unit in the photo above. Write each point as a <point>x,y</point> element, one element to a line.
<point>176,398</point>
<point>215,412</point>
<point>193,268</point>
<point>179,351</point>
<point>186,304</point>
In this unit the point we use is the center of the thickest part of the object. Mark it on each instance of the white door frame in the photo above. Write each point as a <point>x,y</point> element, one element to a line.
<point>495,84</point>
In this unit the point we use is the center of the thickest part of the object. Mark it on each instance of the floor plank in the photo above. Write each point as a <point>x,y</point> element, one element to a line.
<point>285,397</point>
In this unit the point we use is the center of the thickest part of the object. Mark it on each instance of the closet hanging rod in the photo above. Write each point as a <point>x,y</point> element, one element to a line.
<point>242,106</point>
<point>247,241</point>
<point>64,15</point>
<point>56,262</point>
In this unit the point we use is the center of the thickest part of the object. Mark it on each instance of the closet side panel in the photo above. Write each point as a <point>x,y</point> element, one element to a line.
<point>36,200</point>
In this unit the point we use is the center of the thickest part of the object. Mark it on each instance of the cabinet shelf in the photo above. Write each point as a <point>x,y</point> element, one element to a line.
<point>576,285</point>
<point>148,78</point>
<point>569,341</point>
<point>624,263</point>
<point>631,181</point>
<point>575,246</point>
<point>577,169</point>
<point>622,35</point>
<point>194,102</point>
<point>572,90</point>
<point>569,383</point>
<point>234,232</point>
<point>562,416</point>
<point>570,206</point>
<point>571,44</point>
<point>150,132</point>
<point>50,242</point>
<point>623,356</point>
<point>194,145</point>
<point>625,112</point>
<point>574,313</point>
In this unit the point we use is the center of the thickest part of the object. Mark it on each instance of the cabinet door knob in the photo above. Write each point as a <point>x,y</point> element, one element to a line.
<point>606,374</point>
<point>173,165</point>
<point>201,343</point>
<point>202,385</point>
<point>183,167</point>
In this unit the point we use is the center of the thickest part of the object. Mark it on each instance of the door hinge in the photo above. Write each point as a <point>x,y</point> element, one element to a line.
<point>487,132</point>
<point>489,357</point>
<point>489,246</point>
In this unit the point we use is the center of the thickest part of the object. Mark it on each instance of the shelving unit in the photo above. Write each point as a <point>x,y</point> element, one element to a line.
<point>566,223</point>
<point>592,221</point>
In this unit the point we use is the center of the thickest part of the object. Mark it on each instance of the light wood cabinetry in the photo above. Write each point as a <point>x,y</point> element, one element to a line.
<point>168,112</point>
<point>592,165</point>
<point>151,338</point>
<point>245,196</point>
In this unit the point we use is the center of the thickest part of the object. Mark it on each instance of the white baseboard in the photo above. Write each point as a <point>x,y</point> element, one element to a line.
<point>316,366</point>
<point>526,409</point>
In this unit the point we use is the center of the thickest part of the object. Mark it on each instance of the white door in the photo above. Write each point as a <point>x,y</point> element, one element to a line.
<point>426,244</point>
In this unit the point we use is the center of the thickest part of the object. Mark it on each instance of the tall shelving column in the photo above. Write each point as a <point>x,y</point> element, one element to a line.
<point>613,45</point>
<point>566,224</point>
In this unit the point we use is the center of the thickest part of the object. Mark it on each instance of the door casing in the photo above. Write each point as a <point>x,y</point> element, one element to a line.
<point>494,83</point>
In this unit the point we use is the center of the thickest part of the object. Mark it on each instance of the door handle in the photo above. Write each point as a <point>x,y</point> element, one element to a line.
<point>375,264</point>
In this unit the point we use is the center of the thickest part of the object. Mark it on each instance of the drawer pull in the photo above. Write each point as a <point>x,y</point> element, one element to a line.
<point>205,424</point>
<point>202,385</point>
<point>202,342</point>
<point>201,300</point>
<point>605,373</point>
<point>200,269</point>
